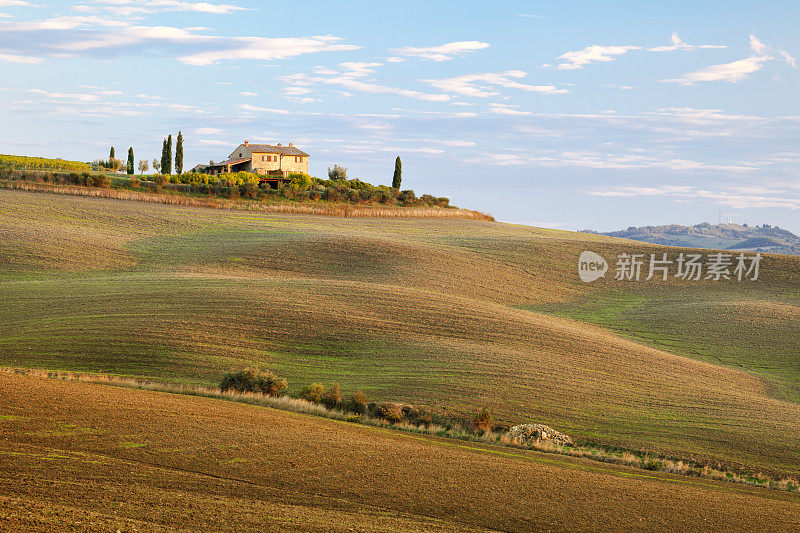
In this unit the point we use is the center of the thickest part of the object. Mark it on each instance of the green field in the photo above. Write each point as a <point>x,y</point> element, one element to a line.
<point>451,314</point>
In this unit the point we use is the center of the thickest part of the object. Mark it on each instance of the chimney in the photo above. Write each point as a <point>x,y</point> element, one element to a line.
<point>290,145</point>
<point>246,143</point>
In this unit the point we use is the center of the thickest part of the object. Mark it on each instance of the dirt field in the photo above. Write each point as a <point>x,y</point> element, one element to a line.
<point>81,457</point>
<point>431,312</point>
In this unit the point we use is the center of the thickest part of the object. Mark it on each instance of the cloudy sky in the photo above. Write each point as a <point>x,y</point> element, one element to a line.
<point>563,114</point>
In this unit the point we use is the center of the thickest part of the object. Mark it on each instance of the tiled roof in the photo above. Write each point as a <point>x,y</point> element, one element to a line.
<point>268,148</point>
<point>232,161</point>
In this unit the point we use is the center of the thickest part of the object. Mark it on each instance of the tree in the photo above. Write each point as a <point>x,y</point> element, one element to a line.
<point>111,153</point>
<point>166,168</point>
<point>179,154</point>
<point>157,165</point>
<point>398,173</point>
<point>130,161</point>
<point>143,166</point>
<point>162,166</point>
<point>337,173</point>
<point>114,164</point>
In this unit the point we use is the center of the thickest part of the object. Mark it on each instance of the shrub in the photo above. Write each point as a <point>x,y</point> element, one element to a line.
<point>158,181</point>
<point>391,412</point>
<point>313,393</point>
<point>332,397</point>
<point>251,189</point>
<point>249,380</point>
<point>358,403</point>
<point>135,182</point>
<point>482,421</point>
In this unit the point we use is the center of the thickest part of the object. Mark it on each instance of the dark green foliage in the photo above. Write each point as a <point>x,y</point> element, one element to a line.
<point>111,153</point>
<point>398,173</point>
<point>166,168</point>
<point>162,166</point>
<point>265,383</point>
<point>179,154</point>
<point>130,160</point>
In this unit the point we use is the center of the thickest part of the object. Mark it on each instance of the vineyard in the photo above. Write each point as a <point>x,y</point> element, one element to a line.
<point>41,163</point>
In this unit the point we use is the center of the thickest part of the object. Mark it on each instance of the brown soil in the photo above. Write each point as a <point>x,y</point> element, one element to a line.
<point>84,457</point>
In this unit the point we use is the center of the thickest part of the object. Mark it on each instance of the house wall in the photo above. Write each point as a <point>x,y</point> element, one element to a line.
<point>259,165</point>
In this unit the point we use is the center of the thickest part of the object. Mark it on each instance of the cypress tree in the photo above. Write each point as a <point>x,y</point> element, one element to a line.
<point>130,160</point>
<point>163,156</point>
<point>398,173</point>
<point>168,158</point>
<point>111,153</point>
<point>179,154</point>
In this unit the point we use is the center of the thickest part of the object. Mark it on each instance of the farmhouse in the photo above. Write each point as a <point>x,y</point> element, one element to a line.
<point>274,163</point>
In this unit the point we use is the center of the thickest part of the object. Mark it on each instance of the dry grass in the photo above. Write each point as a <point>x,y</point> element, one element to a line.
<point>320,208</point>
<point>452,429</point>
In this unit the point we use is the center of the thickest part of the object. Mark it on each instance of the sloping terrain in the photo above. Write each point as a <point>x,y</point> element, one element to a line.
<point>86,457</point>
<point>717,236</point>
<point>451,314</point>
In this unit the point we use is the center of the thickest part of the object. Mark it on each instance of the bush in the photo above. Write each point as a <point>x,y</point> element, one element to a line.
<point>358,403</point>
<point>313,393</point>
<point>482,421</point>
<point>332,397</point>
<point>390,411</point>
<point>158,181</point>
<point>249,380</point>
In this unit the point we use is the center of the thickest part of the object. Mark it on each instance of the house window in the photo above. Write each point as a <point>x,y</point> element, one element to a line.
<point>240,154</point>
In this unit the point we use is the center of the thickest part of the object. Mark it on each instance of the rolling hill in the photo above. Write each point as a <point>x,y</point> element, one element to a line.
<point>88,457</point>
<point>454,315</point>
<point>720,236</point>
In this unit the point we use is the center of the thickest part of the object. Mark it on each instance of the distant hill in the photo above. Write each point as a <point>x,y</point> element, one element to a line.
<point>764,238</point>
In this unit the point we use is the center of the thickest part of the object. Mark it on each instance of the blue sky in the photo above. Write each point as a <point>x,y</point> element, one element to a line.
<point>571,115</point>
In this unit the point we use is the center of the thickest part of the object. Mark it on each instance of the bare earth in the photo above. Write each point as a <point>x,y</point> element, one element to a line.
<point>83,457</point>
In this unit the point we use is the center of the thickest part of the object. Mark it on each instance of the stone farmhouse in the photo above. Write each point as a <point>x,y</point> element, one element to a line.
<point>273,163</point>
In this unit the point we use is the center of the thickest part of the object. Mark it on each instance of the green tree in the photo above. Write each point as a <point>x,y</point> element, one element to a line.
<point>179,154</point>
<point>162,166</point>
<point>398,173</point>
<point>111,153</point>
<point>130,160</point>
<point>337,173</point>
<point>167,169</point>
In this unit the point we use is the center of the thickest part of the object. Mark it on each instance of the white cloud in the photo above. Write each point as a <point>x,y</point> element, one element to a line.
<point>247,93</point>
<point>255,108</point>
<point>17,58</point>
<point>16,3</point>
<point>733,72</point>
<point>678,44</point>
<point>354,83</point>
<point>505,109</point>
<point>207,131</point>
<point>127,8</point>
<point>444,52</point>
<point>358,69</point>
<point>213,142</point>
<point>263,48</point>
<point>788,58</point>
<point>577,59</point>
<point>480,85</point>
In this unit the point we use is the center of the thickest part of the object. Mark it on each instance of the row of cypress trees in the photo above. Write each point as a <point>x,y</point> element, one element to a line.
<point>166,155</point>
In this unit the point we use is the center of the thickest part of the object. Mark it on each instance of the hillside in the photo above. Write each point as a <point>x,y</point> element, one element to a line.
<point>451,314</point>
<point>720,236</point>
<point>102,458</point>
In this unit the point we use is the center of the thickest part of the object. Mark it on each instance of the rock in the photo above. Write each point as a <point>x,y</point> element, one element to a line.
<point>539,433</point>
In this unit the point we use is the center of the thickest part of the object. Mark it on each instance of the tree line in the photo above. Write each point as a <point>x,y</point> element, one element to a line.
<point>162,166</point>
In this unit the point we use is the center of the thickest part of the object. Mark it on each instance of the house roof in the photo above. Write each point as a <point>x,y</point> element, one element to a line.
<point>268,148</point>
<point>232,161</point>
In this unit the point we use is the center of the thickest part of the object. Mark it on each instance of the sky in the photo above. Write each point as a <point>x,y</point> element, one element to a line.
<point>571,115</point>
